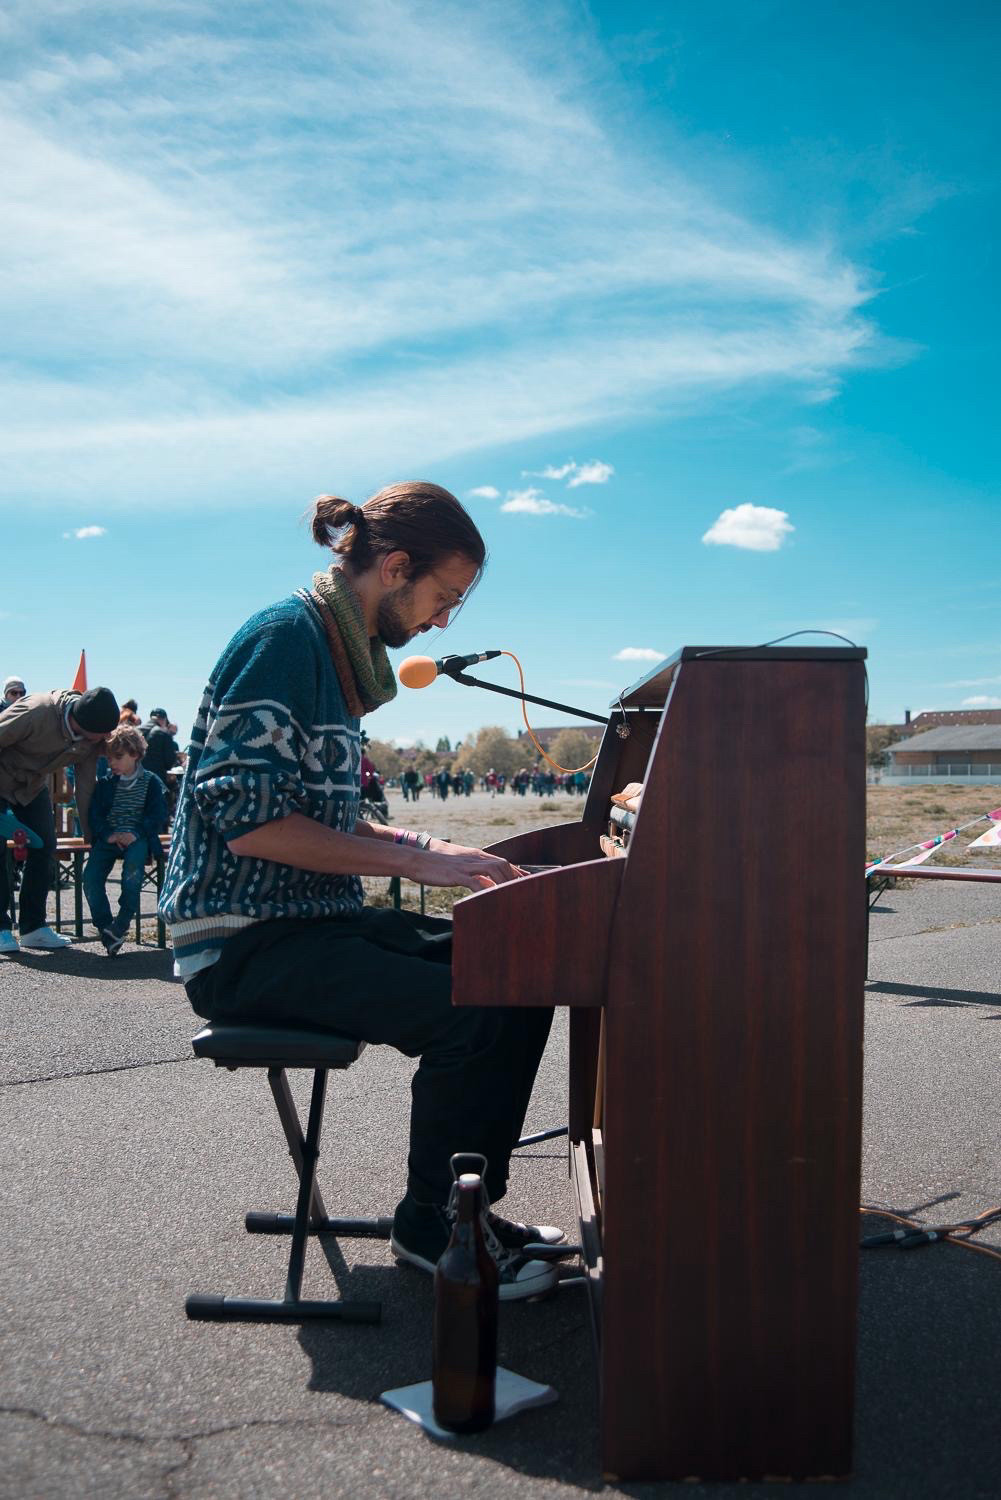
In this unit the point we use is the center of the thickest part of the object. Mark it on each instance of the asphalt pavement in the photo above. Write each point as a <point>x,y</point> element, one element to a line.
<point>128,1167</point>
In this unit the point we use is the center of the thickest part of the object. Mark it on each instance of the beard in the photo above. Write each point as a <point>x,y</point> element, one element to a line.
<point>393,627</point>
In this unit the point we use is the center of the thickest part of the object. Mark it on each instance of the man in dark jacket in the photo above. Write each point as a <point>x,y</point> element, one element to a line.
<point>40,734</point>
<point>162,750</point>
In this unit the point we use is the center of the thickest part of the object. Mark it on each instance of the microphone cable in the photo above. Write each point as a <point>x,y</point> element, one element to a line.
<point>563,770</point>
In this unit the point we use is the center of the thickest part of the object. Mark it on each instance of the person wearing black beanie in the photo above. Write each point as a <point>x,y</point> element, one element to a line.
<point>39,734</point>
<point>96,711</point>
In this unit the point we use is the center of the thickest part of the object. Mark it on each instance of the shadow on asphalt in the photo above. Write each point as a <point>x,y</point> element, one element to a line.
<point>83,962</point>
<point>548,1340</point>
<point>929,1327</point>
<point>935,994</point>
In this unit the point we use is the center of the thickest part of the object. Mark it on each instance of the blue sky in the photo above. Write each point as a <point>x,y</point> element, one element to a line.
<point>693,304</point>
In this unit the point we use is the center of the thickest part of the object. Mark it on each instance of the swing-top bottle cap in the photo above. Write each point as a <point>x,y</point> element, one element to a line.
<point>470,1179</point>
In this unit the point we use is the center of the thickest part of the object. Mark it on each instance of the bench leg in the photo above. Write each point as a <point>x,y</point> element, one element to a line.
<point>310,1216</point>
<point>78,892</point>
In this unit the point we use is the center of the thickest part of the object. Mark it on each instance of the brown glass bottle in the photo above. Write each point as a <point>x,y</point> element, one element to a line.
<point>464,1357</point>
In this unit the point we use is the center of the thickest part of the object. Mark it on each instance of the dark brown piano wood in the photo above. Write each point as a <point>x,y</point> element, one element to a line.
<point>499,960</point>
<point>733,981</point>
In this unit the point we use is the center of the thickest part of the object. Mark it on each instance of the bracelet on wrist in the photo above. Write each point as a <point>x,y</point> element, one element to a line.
<point>407,836</point>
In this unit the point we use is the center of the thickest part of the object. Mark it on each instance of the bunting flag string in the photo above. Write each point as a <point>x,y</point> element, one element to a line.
<point>927,847</point>
<point>989,840</point>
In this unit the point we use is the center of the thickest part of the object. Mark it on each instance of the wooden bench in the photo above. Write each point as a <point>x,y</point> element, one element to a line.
<point>70,858</point>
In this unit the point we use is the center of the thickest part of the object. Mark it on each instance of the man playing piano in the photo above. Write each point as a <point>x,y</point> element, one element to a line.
<point>263,894</point>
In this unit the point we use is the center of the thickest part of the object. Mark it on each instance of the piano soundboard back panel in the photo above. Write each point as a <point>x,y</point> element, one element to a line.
<point>725,953</point>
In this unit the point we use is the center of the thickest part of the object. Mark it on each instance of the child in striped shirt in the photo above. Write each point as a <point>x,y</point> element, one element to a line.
<point>128,812</point>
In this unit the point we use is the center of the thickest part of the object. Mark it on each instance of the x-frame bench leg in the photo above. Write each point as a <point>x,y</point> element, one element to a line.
<point>310,1217</point>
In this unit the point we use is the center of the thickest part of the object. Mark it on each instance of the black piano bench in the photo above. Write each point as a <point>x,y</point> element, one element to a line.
<point>276,1049</point>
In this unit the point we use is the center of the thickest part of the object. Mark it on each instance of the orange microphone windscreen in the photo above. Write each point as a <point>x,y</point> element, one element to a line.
<point>417,671</point>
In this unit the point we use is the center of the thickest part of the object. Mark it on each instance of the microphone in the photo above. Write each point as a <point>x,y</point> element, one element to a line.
<point>421,671</point>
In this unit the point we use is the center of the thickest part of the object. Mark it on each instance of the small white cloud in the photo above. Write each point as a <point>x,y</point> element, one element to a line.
<point>551,471</point>
<point>83,532</point>
<point>981,700</point>
<point>532,502</point>
<point>756,528</point>
<point>596,472</point>
<point>593,473</point>
<point>639,653</point>
<point>484,492</point>
<point>975,682</point>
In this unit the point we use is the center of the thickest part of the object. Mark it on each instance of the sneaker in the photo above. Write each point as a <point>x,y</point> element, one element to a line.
<point>8,942</point>
<point>113,941</point>
<point>512,1235</point>
<point>44,937</point>
<point>421,1232</point>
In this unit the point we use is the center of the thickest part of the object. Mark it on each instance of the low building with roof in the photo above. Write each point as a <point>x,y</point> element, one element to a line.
<point>957,752</point>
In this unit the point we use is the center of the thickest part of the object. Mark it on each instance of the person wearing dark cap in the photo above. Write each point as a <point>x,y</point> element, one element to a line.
<point>162,750</point>
<point>40,734</point>
<point>13,689</point>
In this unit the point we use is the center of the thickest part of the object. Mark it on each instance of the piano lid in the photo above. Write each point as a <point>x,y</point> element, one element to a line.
<point>651,691</point>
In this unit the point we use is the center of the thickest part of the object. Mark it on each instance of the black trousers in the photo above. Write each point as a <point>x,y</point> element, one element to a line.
<point>384,976</point>
<point>39,867</point>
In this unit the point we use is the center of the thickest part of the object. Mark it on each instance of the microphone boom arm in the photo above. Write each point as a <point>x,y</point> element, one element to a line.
<point>495,687</point>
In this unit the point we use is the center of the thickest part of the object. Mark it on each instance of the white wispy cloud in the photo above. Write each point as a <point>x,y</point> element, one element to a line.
<point>596,472</point>
<point>639,653</point>
<point>982,700</point>
<point>485,492</point>
<point>533,502</point>
<point>82,533</point>
<point>975,681</point>
<point>551,471</point>
<point>258,289</point>
<point>756,528</point>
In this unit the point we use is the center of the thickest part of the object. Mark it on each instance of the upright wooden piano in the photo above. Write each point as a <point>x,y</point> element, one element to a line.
<point>715,974</point>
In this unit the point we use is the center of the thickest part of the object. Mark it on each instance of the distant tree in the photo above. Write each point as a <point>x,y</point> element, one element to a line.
<point>385,757</point>
<point>443,743</point>
<point>491,747</point>
<point>425,760</point>
<point>877,739</point>
<point>572,748</point>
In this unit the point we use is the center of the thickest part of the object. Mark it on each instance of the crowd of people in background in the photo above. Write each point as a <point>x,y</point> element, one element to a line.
<point>539,781</point>
<point>124,773</point>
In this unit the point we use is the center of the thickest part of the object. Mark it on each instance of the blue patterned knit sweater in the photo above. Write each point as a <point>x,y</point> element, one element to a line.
<point>272,736</point>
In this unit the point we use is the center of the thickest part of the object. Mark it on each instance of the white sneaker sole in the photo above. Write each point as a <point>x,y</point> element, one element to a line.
<point>535,1285</point>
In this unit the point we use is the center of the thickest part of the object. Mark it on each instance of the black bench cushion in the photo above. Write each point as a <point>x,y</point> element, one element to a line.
<point>275,1047</point>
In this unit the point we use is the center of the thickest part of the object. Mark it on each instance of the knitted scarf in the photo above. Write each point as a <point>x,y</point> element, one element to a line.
<point>360,661</point>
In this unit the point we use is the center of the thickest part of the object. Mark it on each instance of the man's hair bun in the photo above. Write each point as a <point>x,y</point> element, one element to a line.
<point>330,514</point>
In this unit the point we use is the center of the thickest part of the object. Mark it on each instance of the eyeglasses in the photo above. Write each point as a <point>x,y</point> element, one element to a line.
<point>447,590</point>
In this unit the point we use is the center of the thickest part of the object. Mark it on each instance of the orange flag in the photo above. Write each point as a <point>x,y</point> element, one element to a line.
<point>80,680</point>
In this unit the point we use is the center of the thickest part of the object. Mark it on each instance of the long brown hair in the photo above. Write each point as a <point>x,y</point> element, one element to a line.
<point>423,520</point>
